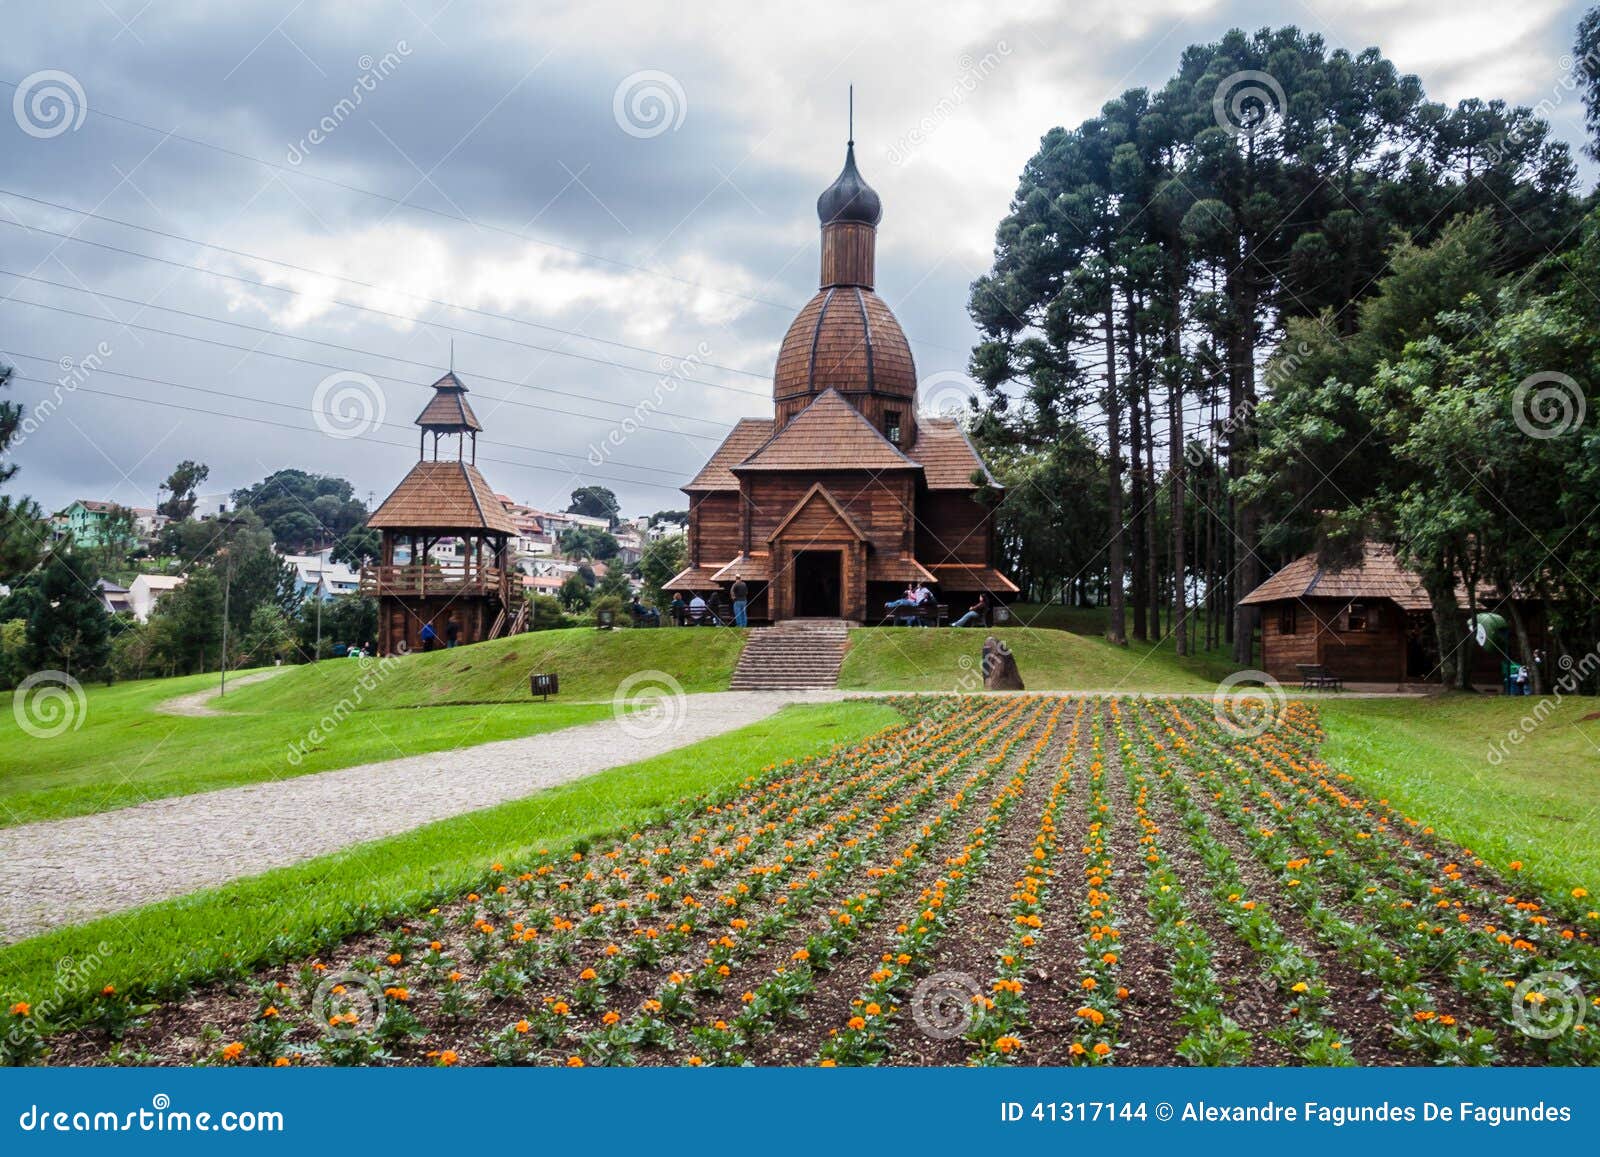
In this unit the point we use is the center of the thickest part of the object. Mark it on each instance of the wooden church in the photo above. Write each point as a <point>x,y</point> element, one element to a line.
<point>846,495</point>
<point>445,556</point>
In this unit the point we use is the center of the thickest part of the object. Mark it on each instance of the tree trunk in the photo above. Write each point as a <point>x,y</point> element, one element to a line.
<point>1153,534</point>
<point>1175,479</point>
<point>1136,519</point>
<point>1116,623</point>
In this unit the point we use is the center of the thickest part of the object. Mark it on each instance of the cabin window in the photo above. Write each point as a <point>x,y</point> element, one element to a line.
<point>1286,623</point>
<point>1356,618</point>
<point>891,426</point>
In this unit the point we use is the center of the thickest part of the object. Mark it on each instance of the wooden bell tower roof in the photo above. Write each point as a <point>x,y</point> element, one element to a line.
<point>448,412</point>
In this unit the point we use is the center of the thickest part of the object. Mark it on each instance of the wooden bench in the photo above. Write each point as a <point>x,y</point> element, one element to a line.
<point>1316,677</point>
<point>933,615</point>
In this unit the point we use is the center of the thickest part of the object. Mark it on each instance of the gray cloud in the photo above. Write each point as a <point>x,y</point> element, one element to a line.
<point>509,109</point>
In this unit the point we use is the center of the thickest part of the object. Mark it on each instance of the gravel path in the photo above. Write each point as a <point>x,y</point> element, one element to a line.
<point>199,702</point>
<point>66,871</point>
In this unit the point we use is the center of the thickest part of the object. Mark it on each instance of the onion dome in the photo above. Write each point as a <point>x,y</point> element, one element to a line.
<point>849,198</point>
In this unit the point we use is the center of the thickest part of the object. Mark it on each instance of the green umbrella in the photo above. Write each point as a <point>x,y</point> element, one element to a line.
<point>1487,626</point>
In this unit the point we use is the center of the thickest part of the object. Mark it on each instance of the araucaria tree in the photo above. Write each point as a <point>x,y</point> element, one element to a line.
<point>1155,258</point>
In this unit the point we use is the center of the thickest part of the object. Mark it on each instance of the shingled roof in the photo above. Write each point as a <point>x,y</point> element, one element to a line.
<point>448,409</point>
<point>829,434</point>
<point>443,495</point>
<point>743,440</point>
<point>1378,575</point>
<point>947,456</point>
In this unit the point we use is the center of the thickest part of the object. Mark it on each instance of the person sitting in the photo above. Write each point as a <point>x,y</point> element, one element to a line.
<point>904,602</point>
<point>699,613</point>
<point>643,614</point>
<point>678,609</point>
<point>924,605</point>
<point>975,614</point>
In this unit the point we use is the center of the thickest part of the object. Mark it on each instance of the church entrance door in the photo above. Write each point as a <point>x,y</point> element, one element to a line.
<point>817,582</point>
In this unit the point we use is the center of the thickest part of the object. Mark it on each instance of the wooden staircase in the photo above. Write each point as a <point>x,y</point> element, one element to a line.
<point>795,655</point>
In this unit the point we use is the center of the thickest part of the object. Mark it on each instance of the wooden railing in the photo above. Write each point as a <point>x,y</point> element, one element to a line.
<point>433,579</point>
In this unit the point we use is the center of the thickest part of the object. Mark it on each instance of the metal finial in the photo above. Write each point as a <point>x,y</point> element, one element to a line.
<point>852,139</point>
<point>452,355</point>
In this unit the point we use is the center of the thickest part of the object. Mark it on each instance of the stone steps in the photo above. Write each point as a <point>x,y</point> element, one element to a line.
<point>798,655</point>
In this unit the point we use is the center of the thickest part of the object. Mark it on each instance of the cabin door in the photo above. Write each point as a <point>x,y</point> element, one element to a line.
<point>817,583</point>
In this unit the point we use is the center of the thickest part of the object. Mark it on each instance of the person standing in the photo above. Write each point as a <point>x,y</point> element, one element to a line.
<point>430,637</point>
<point>741,601</point>
<point>452,632</point>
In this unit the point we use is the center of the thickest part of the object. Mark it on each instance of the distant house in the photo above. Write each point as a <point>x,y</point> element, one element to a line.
<point>88,521</point>
<point>1371,622</point>
<point>542,584</point>
<point>147,589</point>
<point>113,597</point>
<point>318,576</point>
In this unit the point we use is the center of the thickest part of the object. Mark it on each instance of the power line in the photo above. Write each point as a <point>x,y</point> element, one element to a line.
<point>304,409</point>
<point>657,374</point>
<point>331,366</point>
<point>398,202</point>
<point>361,438</point>
<point>339,277</point>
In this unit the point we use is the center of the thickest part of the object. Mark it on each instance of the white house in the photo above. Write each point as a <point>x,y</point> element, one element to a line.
<point>147,589</point>
<point>318,576</point>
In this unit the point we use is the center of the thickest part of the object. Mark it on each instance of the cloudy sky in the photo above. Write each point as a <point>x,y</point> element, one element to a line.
<point>251,230</point>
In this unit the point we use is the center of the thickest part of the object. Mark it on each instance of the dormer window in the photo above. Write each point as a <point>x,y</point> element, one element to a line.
<point>891,426</point>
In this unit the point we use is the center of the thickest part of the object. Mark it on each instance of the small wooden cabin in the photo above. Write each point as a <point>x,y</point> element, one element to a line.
<point>445,556</point>
<point>1367,623</point>
<point>846,495</point>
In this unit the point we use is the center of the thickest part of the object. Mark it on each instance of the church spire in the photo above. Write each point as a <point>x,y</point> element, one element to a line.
<point>849,210</point>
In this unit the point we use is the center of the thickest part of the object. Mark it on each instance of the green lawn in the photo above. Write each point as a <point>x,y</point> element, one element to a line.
<point>1540,803</point>
<point>590,663</point>
<point>126,752</point>
<point>163,948</point>
<point>1050,659</point>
